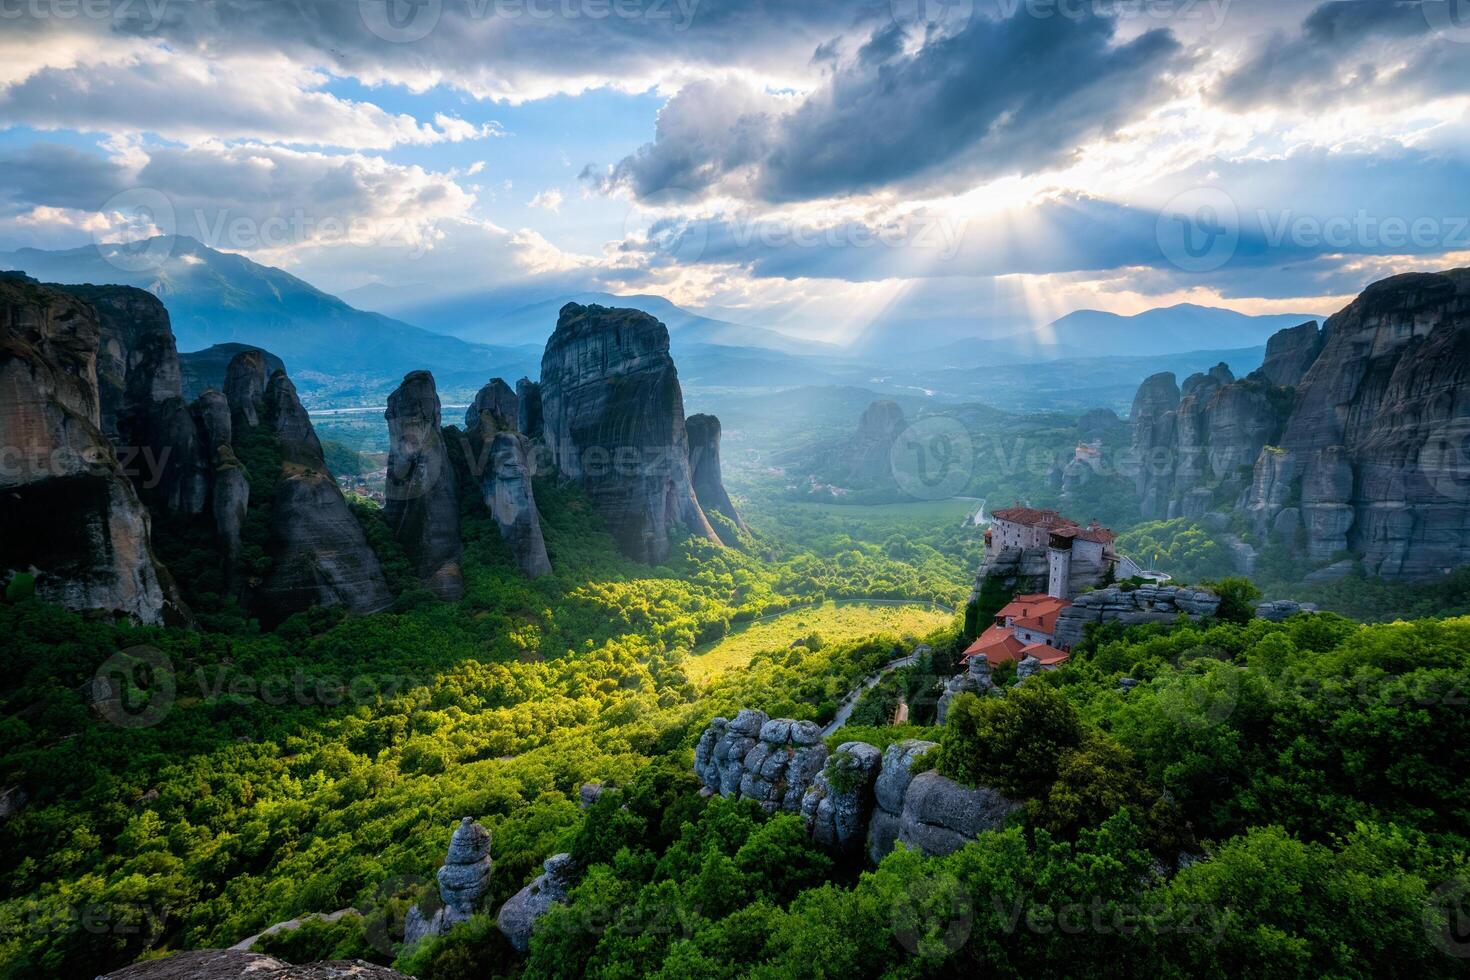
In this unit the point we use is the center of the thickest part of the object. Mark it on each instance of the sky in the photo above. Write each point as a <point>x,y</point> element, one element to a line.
<point>827,169</point>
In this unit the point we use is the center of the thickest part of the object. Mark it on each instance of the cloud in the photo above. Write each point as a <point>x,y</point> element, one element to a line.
<point>1352,51</point>
<point>549,200</point>
<point>996,97</point>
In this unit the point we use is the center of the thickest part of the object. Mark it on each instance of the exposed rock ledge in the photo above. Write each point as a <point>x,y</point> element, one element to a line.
<point>229,964</point>
<point>1145,604</point>
<point>850,798</point>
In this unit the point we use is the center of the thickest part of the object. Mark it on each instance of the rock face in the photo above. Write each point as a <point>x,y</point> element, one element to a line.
<point>772,761</point>
<point>940,816</point>
<point>320,556</point>
<point>518,916</point>
<point>70,515</point>
<point>975,680</point>
<point>1378,444</point>
<point>143,411</point>
<point>245,380</point>
<point>857,795</point>
<point>1145,604</point>
<point>1290,353</point>
<point>528,394</point>
<point>614,423</point>
<point>704,466</point>
<point>422,502</point>
<point>1198,453</point>
<point>463,881</point>
<point>230,964</point>
<point>837,804</point>
<point>505,464</point>
<point>872,447</point>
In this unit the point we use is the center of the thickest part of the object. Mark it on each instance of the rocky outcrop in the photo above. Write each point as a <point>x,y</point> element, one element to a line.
<point>505,467</point>
<point>141,397</point>
<point>205,369</point>
<point>871,450</point>
<point>704,467</point>
<point>940,816</point>
<point>889,789</point>
<point>71,517</point>
<point>614,424</point>
<point>319,554</point>
<point>975,680</point>
<point>1280,610</point>
<point>528,395</point>
<point>422,502</point>
<point>1377,447</point>
<point>231,964</point>
<point>857,795</point>
<point>1290,353</point>
<point>463,881</point>
<point>518,916</point>
<point>772,761</point>
<point>1198,453</point>
<point>245,381</point>
<point>1145,604</point>
<point>837,804</point>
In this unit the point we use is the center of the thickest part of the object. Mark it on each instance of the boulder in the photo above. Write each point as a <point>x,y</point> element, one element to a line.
<point>836,805</point>
<point>231,964</point>
<point>614,424</point>
<point>889,789</point>
<point>495,409</point>
<point>940,816</point>
<point>975,680</point>
<point>463,880</point>
<point>771,761</point>
<point>518,916</point>
<point>422,501</point>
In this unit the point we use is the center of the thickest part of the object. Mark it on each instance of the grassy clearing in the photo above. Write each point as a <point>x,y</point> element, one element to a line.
<point>835,622</point>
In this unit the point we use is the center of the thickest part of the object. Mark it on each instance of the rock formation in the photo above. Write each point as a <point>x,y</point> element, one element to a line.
<point>463,881</point>
<point>1145,604</point>
<point>975,680</point>
<point>142,405</point>
<point>205,369</point>
<point>1377,447</point>
<point>856,795</point>
<point>319,554</point>
<point>837,804</point>
<point>422,502</point>
<point>504,465</point>
<point>872,448</point>
<point>614,423</point>
<point>70,515</point>
<point>1290,353</point>
<point>518,916</point>
<point>528,394</point>
<point>232,964</point>
<point>772,761</point>
<point>245,381</point>
<point>704,467</point>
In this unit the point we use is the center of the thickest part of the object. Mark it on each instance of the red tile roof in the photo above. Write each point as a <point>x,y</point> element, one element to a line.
<point>1049,656</point>
<point>999,644</point>
<point>1034,612</point>
<point>1031,517</point>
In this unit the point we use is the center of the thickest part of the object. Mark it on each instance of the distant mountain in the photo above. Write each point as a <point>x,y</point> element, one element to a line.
<point>1170,330</point>
<point>218,297</point>
<point>484,318</point>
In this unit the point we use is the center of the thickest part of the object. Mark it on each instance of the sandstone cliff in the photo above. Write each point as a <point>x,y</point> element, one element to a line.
<point>319,554</point>
<point>869,455</point>
<point>422,505</point>
<point>614,423</point>
<point>502,463</point>
<point>68,514</point>
<point>1377,448</point>
<point>528,394</point>
<point>704,467</point>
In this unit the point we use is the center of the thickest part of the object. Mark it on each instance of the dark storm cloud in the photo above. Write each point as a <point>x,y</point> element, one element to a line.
<point>53,175</point>
<point>1344,50</point>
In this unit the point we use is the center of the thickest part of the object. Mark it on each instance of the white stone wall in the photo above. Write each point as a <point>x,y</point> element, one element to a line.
<point>1059,569</point>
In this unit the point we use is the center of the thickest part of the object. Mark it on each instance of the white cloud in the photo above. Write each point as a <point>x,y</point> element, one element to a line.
<point>548,200</point>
